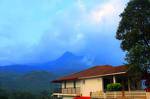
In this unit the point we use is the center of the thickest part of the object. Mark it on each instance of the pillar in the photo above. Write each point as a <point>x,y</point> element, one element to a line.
<point>102,84</point>
<point>114,79</point>
<point>129,89</point>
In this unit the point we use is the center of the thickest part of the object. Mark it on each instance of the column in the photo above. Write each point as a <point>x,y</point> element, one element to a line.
<point>129,85</point>
<point>114,79</point>
<point>102,83</point>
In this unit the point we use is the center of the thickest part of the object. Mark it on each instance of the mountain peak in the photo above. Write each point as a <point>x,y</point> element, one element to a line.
<point>68,54</point>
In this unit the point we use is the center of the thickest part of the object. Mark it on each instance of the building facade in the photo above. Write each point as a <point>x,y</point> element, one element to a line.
<point>82,84</point>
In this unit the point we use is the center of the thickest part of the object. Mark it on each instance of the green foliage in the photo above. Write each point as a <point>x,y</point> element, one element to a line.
<point>34,82</point>
<point>134,33</point>
<point>3,94</point>
<point>23,95</point>
<point>45,94</point>
<point>114,87</point>
<point>30,85</point>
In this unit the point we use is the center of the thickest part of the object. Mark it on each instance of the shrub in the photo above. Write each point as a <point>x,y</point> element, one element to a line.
<point>114,87</point>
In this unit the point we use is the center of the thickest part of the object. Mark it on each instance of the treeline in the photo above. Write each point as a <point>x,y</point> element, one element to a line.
<point>4,94</point>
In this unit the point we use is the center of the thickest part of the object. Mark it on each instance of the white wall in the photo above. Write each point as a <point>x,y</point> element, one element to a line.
<point>90,85</point>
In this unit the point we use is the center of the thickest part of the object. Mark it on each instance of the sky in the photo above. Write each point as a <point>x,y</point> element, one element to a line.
<point>36,31</point>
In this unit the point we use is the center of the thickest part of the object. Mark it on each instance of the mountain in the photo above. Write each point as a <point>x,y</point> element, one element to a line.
<point>67,63</point>
<point>36,77</point>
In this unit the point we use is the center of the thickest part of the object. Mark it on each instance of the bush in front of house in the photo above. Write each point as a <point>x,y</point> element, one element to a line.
<point>114,87</point>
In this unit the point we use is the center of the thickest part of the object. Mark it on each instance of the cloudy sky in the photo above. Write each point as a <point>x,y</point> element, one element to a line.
<point>34,31</point>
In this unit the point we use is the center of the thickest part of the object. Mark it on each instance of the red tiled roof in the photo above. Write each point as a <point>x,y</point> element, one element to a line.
<point>94,71</point>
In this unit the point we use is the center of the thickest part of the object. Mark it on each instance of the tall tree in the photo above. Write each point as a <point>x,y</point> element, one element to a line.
<point>134,33</point>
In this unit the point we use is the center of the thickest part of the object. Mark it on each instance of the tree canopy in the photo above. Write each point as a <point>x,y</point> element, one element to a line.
<point>134,33</point>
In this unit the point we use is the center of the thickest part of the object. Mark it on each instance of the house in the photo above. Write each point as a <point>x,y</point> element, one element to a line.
<point>82,83</point>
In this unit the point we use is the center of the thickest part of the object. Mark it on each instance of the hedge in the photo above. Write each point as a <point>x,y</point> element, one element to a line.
<point>114,87</point>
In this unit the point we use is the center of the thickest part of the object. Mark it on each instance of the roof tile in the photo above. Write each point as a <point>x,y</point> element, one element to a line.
<point>94,71</point>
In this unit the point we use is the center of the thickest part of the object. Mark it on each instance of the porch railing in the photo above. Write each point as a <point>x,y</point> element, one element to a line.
<point>69,90</point>
<point>120,95</point>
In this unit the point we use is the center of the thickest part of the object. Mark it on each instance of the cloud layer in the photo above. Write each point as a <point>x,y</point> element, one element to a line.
<point>42,30</point>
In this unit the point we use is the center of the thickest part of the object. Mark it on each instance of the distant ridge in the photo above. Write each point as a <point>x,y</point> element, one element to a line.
<point>67,63</point>
<point>27,77</point>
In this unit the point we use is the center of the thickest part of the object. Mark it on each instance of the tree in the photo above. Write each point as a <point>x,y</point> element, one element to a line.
<point>3,94</point>
<point>22,95</point>
<point>45,94</point>
<point>134,33</point>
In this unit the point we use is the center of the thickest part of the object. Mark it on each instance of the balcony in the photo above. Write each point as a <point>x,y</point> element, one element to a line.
<point>67,91</point>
